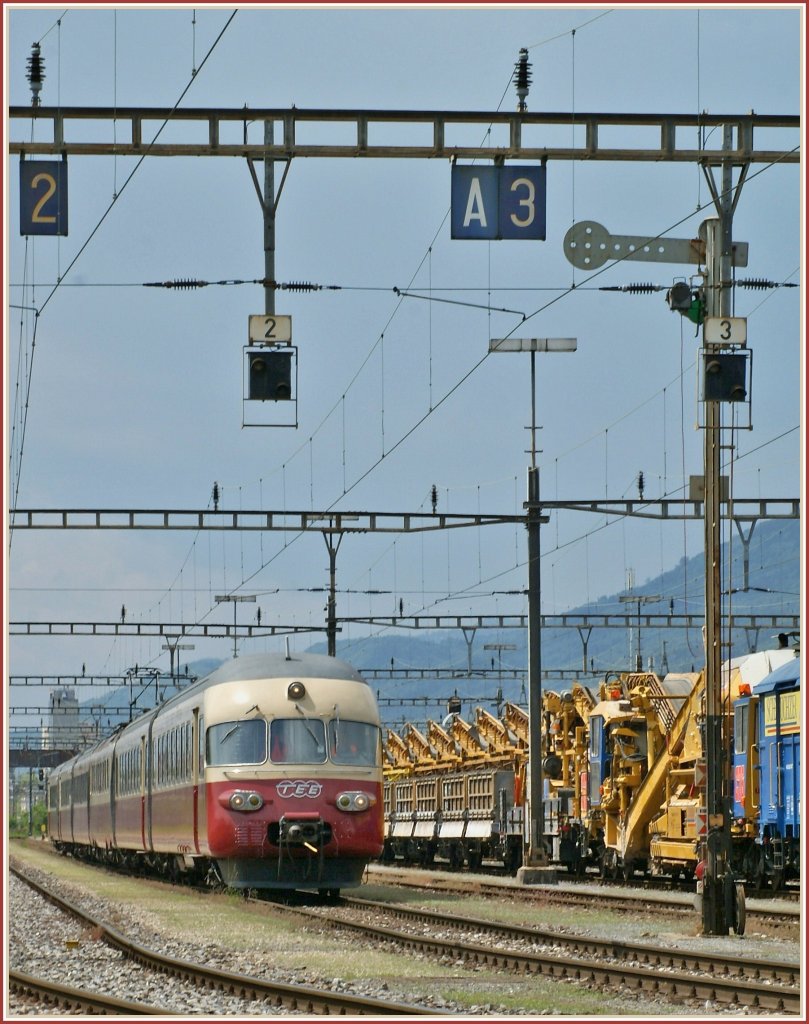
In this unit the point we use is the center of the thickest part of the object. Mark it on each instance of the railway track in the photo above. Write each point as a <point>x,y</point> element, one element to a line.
<point>656,956</point>
<point>787,916</point>
<point>678,975</point>
<point>299,998</point>
<point>54,994</point>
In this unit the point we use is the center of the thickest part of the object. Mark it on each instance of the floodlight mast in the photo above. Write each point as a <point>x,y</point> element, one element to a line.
<point>235,599</point>
<point>537,854</point>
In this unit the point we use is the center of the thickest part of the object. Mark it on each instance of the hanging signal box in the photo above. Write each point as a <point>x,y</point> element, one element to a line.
<point>727,377</point>
<point>270,385</point>
<point>270,372</point>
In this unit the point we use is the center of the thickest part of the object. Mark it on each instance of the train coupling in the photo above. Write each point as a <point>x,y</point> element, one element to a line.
<point>306,830</point>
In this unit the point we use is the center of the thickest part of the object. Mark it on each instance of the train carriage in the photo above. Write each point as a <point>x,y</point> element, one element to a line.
<point>767,776</point>
<point>266,774</point>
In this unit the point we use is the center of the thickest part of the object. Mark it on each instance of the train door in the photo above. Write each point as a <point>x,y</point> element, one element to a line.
<point>789,757</point>
<point>112,786</point>
<point>150,771</point>
<point>198,773</point>
<point>745,777</point>
<point>597,760</point>
<point>72,803</point>
<point>772,798</point>
<point>144,810</point>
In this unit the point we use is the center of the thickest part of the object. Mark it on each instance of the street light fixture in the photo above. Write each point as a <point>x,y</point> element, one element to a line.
<point>639,599</point>
<point>537,854</point>
<point>172,647</point>
<point>236,599</point>
<point>499,648</point>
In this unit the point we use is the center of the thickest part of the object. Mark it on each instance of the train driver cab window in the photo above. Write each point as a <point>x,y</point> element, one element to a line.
<point>297,741</point>
<point>354,743</point>
<point>237,742</point>
<point>740,723</point>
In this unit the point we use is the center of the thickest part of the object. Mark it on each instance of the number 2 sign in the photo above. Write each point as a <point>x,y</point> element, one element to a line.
<point>43,197</point>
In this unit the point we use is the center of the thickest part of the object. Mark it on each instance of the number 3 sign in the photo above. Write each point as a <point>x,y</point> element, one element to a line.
<point>43,197</point>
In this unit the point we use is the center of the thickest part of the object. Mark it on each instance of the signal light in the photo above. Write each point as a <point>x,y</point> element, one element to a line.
<point>687,301</point>
<point>724,378</point>
<point>679,296</point>
<point>270,375</point>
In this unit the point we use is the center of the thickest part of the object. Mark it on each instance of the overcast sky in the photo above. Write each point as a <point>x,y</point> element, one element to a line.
<point>135,395</point>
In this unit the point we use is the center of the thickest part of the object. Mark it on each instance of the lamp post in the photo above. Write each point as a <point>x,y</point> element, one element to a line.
<point>172,646</point>
<point>335,523</point>
<point>537,854</point>
<point>639,599</point>
<point>236,599</point>
<point>500,648</point>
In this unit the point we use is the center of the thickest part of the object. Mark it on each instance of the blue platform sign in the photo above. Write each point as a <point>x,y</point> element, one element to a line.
<point>496,202</point>
<point>43,197</point>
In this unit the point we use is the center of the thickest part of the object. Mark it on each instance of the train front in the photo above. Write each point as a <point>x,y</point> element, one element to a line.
<point>293,774</point>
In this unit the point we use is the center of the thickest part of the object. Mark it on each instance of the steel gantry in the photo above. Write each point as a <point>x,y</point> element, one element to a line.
<point>739,510</point>
<point>373,134</point>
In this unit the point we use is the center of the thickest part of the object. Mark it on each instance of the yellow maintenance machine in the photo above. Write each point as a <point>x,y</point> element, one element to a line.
<point>623,769</point>
<point>458,792</point>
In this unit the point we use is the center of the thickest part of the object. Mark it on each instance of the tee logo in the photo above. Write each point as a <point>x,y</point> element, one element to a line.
<point>300,788</point>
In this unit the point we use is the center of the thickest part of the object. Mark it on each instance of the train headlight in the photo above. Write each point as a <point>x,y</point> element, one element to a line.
<point>354,800</point>
<point>246,801</point>
<point>295,691</point>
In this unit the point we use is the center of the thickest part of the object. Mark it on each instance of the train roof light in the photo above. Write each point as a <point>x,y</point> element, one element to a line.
<point>296,691</point>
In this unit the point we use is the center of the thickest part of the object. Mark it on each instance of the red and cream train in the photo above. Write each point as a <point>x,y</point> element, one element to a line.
<point>267,774</point>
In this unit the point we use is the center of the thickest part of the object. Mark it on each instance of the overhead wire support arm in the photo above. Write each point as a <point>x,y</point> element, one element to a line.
<point>619,620</point>
<point>214,123</point>
<point>740,509</point>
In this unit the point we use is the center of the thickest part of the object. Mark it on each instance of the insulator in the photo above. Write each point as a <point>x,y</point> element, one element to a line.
<point>522,77</point>
<point>180,285</point>
<point>35,73</point>
<point>642,288</point>
<point>756,283</point>
<point>300,286</point>
<point>186,284</point>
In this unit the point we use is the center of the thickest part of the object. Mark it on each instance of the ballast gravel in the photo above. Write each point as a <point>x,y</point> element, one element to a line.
<point>44,941</point>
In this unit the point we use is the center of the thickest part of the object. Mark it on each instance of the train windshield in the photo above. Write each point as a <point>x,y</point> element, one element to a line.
<point>297,741</point>
<point>237,742</point>
<point>354,742</point>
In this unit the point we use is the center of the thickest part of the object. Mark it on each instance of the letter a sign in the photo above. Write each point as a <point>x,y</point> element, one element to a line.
<point>498,202</point>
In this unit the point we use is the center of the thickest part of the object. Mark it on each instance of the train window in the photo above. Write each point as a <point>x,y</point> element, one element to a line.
<point>237,742</point>
<point>740,725</point>
<point>354,742</point>
<point>596,726</point>
<point>297,741</point>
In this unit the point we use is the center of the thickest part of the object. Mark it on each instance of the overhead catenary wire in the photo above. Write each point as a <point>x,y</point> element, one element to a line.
<point>138,164</point>
<point>193,284</point>
<point>343,405</point>
<point>87,241</point>
<point>468,374</point>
